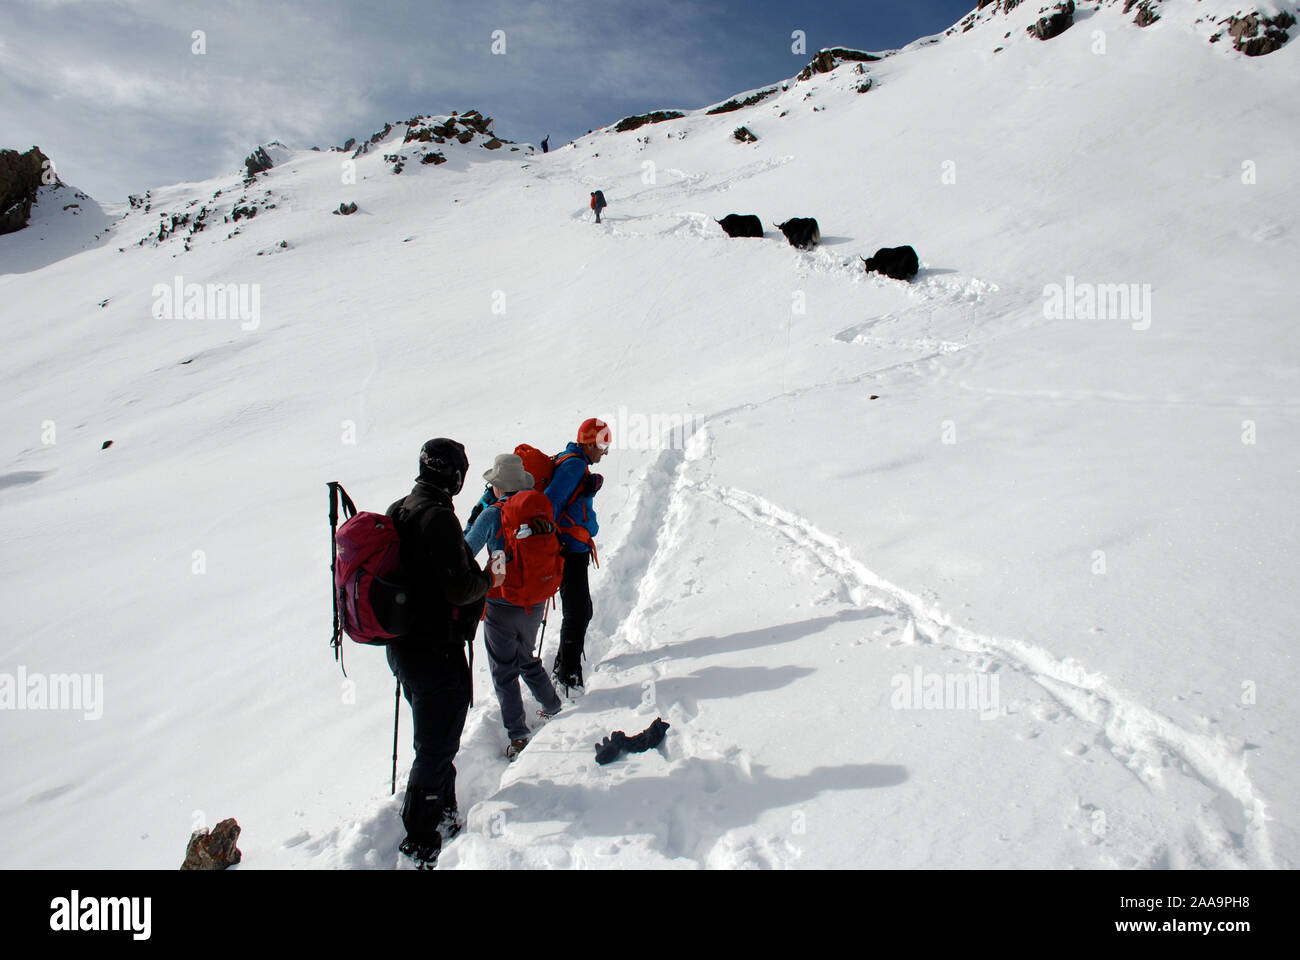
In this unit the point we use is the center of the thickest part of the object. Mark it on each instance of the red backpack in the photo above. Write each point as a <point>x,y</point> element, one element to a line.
<point>542,468</point>
<point>371,603</point>
<point>534,566</point>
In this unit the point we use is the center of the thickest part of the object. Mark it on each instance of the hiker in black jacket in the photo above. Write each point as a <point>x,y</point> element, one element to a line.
<point>448,589</point>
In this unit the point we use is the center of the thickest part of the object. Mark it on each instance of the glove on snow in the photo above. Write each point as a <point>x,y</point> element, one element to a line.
<point>618,742</point>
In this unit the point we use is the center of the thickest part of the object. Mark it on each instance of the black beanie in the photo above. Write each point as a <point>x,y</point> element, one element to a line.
<point>444,464</point>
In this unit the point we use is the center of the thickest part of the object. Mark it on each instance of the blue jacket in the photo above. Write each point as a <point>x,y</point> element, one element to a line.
<point>486,531</point>
<point>567,479</point>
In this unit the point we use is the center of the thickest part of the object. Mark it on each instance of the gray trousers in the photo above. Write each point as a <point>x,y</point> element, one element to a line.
<point>510,633</point>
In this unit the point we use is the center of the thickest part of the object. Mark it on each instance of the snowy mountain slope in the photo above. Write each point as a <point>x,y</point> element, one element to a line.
<point>1064,506</point>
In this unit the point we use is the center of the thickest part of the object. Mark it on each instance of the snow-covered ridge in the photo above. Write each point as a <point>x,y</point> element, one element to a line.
<point>1252,30</point>
<point>946,480</point>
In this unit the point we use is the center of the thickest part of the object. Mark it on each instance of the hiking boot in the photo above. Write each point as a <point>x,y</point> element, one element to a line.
<point>423,854</point>
<point>516,747</point>
<point>545,716</point>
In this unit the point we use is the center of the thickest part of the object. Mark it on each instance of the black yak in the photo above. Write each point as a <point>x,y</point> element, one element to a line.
<point>741,225</point>
<point>802,232</point>
<point>899,263</point>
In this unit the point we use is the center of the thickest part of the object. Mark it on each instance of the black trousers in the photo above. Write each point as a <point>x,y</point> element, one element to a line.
<point>575,597</point>
<point>436,680</point>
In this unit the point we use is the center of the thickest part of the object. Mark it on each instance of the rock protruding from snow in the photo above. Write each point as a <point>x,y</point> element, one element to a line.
<point>1247,38</point>
<point>1056,23</point>
<point>266,157</point>
<point>737,104</point>
<point>21,176</point>
<point>656,116</point>
<point>831,57</point>
<point>213,850</point>
<point>258,162</point>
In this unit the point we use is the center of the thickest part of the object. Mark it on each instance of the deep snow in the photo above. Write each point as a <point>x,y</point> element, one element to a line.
<point>1089,524</point>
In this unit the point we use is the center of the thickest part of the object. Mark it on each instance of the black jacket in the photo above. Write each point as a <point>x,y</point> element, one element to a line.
<point>446,583</point>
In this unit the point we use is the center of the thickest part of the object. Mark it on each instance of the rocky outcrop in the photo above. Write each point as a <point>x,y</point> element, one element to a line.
<point>1246,36</point>
<point>657,116</point>
<point>744,135</point>
<point>1146,14</point>
<point>21,176</point>
<point>734,104</point>
<point>375,138</point>
<point>475,121</point>
<point>1054,24</point>
<point>830,58</point>
<point>213,850</point>
<point>258,162</point>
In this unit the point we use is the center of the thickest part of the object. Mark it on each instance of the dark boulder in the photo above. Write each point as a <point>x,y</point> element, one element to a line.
<point>21,176</point>
<point>1247,38</point>
<point>258,162</point>
<point>215,850</point>
<point>1054,24</point>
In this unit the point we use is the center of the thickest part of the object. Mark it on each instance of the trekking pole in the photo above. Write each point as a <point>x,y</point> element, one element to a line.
<point>541,640</point>
<point>397,702</point>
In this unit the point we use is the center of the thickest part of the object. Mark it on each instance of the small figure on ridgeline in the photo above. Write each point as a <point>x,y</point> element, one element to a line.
<point>546,144</point>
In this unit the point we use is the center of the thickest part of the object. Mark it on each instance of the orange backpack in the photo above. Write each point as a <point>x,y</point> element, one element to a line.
<point>534,566</point>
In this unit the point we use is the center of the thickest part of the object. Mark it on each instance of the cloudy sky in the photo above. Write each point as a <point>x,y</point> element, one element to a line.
<point>117,93</point>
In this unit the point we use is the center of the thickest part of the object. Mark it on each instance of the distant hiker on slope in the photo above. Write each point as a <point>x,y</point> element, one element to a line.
<point>571,491</point>
<point>546,143</point>
<point>598,203</point>
<point>519,524</point>
<point>448,590</point>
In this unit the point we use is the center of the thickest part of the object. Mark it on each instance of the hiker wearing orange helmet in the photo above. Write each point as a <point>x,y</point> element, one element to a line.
<point>571,491</point>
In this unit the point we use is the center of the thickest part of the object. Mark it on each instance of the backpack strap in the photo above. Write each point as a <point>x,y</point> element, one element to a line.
<point>579,533</point>
<point>404,517</point>
<point>558,459</point>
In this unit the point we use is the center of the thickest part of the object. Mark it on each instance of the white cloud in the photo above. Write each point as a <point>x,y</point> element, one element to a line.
<point>110,86</point>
